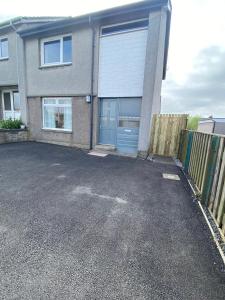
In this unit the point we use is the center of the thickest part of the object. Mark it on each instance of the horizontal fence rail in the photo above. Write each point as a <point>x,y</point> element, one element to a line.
<point>165,133</point>
<point>203,158</point>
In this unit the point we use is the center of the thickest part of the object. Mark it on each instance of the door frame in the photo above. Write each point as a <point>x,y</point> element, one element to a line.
<point>12,111</point>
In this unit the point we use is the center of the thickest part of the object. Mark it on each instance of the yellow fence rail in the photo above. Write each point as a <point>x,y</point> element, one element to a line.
<point>165,133</point>
<point>203,158</point>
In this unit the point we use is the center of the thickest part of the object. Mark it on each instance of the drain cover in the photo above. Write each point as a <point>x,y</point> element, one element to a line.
<point>171,176</point>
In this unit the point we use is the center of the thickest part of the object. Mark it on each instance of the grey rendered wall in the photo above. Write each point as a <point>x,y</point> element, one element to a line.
<point>153,76</point>
<point>219,128</point>
<point>79,136</point>
<point>71,80</point>
<point>8,67</point>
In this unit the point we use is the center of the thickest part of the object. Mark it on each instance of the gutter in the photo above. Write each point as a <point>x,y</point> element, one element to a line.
<point>17,57</point>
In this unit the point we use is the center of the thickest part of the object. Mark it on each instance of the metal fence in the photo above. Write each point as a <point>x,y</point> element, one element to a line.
<point>203,158</point>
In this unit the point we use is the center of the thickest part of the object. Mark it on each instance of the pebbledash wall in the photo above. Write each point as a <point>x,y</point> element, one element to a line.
<point>75,80</point>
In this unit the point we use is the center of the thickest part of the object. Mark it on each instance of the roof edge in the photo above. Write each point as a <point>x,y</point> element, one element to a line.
<point>25,20</point>
<point>137,6</point>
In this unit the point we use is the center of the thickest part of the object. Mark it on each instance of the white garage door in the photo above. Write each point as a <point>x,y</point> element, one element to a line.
<point>121,64</point>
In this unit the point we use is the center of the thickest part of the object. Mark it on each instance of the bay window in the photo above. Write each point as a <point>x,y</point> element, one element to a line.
<point>57,113</point>
<point>56,51</point>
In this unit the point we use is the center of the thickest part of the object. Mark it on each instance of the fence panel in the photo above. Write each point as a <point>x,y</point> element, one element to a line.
<point>203,158</point>
<point>165,134</point>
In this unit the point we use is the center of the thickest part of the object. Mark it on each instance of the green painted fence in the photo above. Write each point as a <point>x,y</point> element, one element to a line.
<point>203,159</point>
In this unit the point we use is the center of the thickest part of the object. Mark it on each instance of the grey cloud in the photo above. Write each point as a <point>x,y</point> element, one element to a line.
<point>204,90</point>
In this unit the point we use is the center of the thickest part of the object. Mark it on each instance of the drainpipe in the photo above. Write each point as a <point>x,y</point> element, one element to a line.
<point>92,84</point>
<point>17,58</point>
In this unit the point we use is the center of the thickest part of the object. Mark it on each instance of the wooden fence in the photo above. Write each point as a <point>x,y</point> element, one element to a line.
<point>165,133</point>
<point>203,158</point>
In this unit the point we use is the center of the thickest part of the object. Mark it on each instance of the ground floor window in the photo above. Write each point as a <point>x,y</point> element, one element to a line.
<point>57,113</point>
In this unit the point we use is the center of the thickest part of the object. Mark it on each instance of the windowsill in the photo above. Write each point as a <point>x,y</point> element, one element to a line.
<point>55,65</point>
<point>57,130</point>
<point>4,58</point>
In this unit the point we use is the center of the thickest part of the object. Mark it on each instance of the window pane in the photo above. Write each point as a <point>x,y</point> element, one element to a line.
<point>130,107</point>
<point>4,48</point>
<point>64,101</point>
<point>7,101</point>
<point>52,52</point>
<point>125,27</point>
<point>16,100</point>
<point>49,101</point>
<point>67,49</point>
<point>49,116</point>
<point>59,117</point>
<point>68,118</point>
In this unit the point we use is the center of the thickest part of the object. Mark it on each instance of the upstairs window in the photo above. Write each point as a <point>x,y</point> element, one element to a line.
<point>125,27</point>
<point>56,51</point>
<point>4,49</point>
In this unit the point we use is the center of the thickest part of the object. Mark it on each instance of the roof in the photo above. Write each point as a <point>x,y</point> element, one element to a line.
<point>214,120</point>
<point>24,20</point>
<point>116,11</point>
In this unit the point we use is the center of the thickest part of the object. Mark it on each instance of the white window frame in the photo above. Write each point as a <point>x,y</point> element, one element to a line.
<point>12,111</point>
<point>4,57</point>
<point>124,31</point>
<point>56,105</point>
<point>51,39</point>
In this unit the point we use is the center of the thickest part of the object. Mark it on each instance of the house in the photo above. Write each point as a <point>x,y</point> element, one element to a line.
<point>212,125</point>
<point>11,65</point>
<point>95,80</point>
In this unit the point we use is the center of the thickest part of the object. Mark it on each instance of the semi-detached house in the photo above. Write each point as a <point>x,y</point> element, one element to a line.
<point>90,80</point>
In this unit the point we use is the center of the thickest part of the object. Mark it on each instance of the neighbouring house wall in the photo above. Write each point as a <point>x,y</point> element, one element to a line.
<point>151,102</point>
<point>206,127</point>
<point>74,79</point>
<point>219,128</point>
<point>8,67</point>
<point>80,134</point>
<point>12,70</point>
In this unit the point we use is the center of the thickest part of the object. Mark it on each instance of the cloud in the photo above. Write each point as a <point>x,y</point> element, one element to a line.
<point>203,92</point>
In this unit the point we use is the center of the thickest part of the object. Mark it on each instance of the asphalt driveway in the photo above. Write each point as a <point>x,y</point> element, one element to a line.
<point>74,226</point>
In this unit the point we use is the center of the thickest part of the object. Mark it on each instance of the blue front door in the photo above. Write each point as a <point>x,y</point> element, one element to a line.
<point>119,123</point>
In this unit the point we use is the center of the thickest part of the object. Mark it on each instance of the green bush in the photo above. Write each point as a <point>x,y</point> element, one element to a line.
<point>193,122</point>
<point>10,124</point>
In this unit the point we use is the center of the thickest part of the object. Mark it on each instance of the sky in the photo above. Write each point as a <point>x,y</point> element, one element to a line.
<point>195,81</point>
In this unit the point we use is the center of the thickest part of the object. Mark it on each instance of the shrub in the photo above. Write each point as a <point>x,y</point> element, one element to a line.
<point>10,124</point>
<point>193,122</point>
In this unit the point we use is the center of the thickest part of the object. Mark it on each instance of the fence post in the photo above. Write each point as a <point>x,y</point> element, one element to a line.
<point>181,145</point>
<point>188,153</point>
<point>211,166</point>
